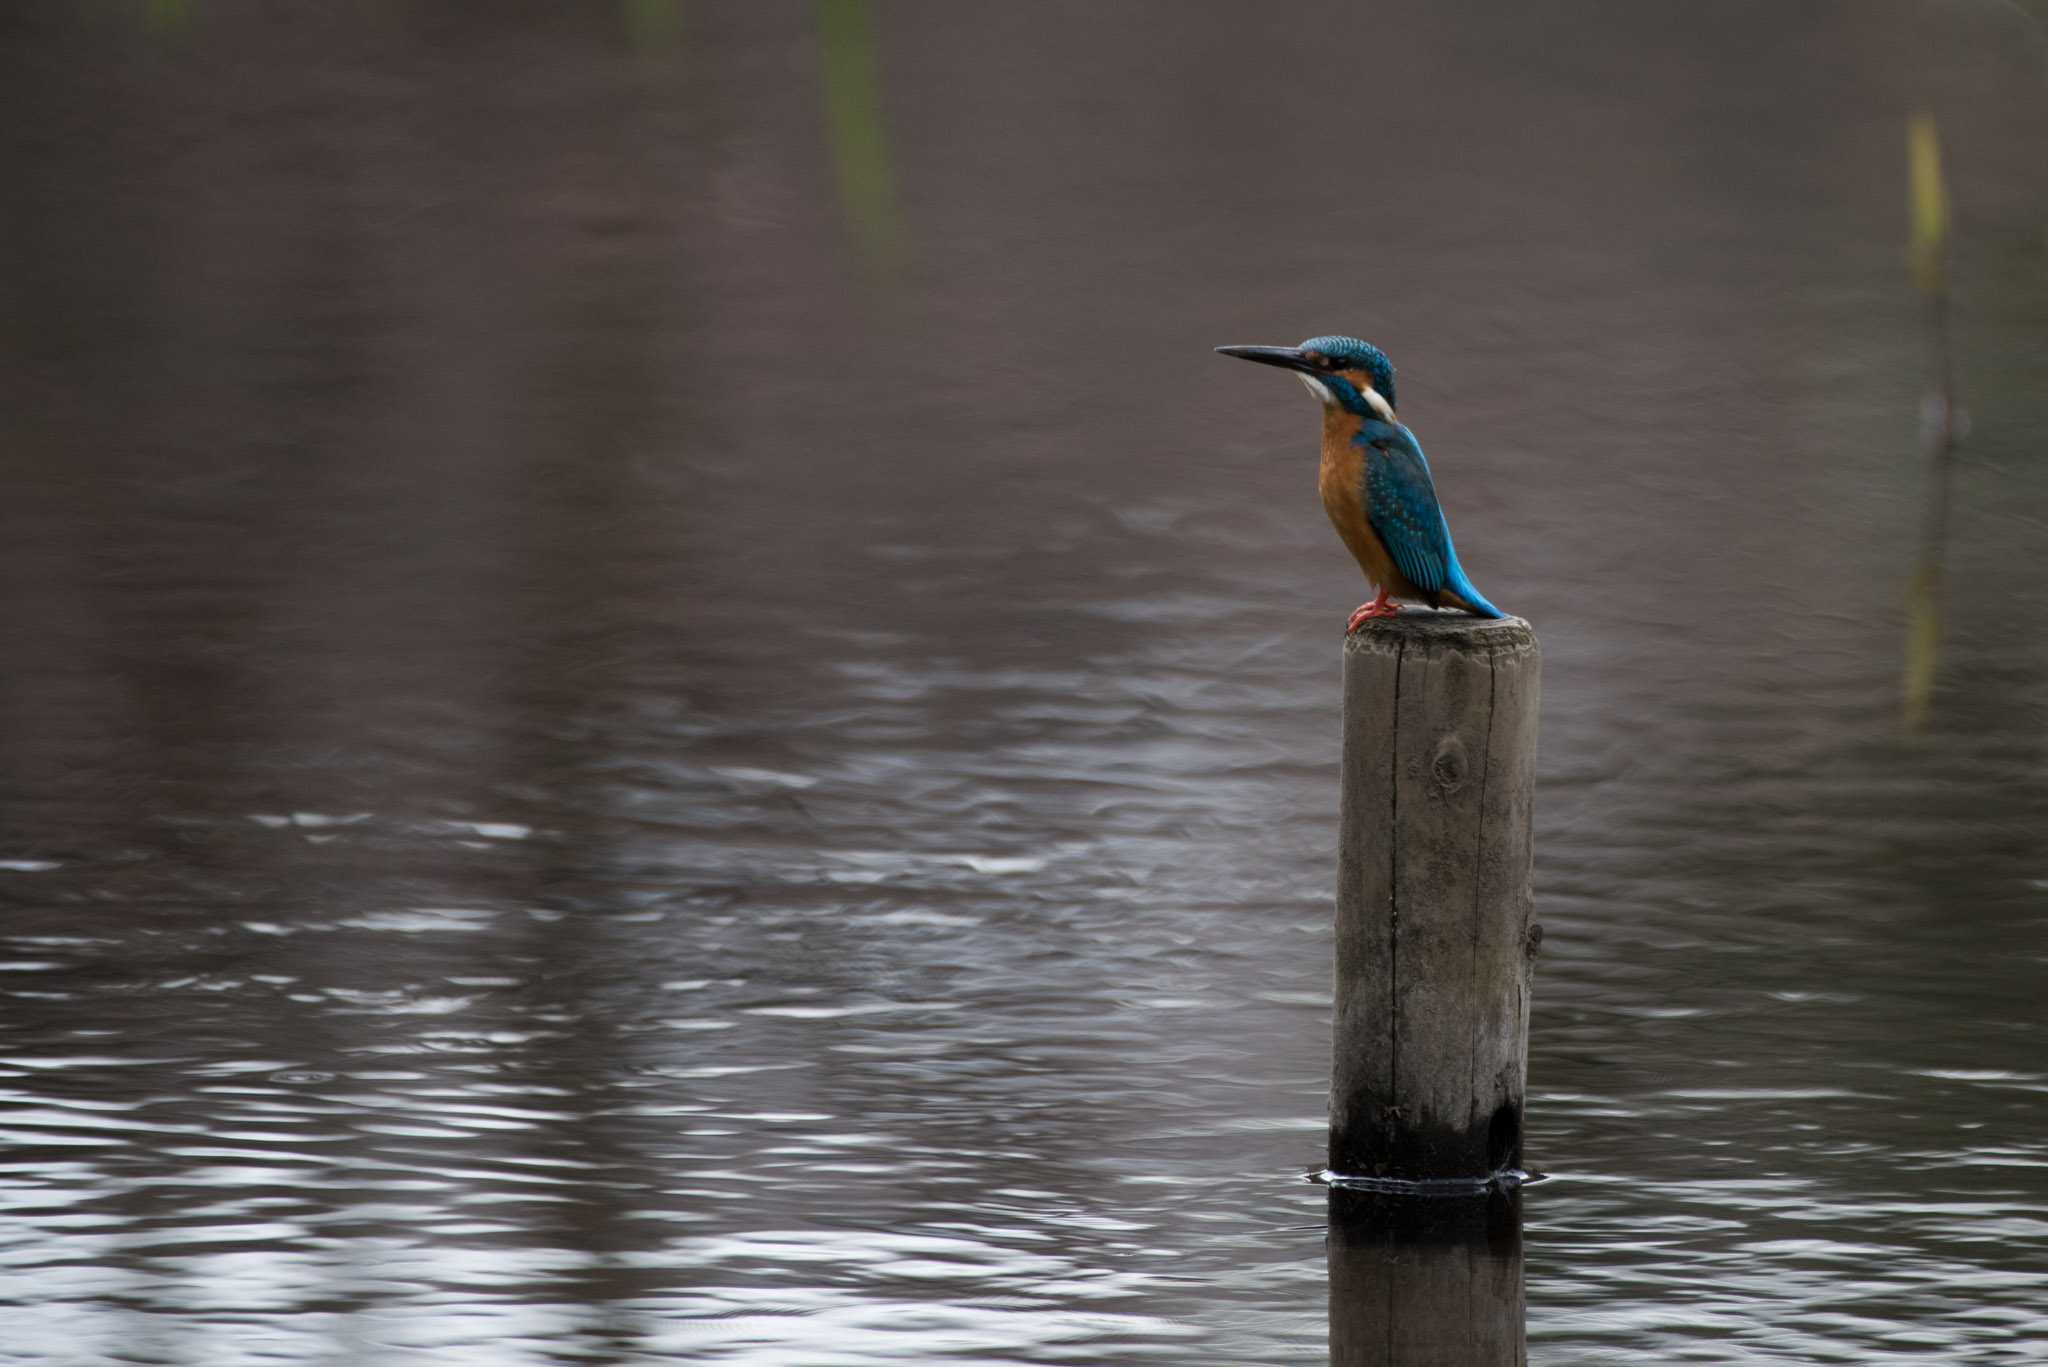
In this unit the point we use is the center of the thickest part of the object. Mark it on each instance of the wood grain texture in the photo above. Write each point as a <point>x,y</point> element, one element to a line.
<point>1433,899</point>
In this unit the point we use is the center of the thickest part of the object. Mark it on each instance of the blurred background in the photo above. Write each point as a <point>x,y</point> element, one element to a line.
<point>660,705</point>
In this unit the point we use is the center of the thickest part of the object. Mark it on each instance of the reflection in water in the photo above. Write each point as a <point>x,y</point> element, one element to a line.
<point>1423,1282</point>
<point>582,786</point>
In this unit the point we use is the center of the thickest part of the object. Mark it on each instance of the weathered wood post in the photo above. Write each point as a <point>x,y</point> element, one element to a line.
<point>1434,939</point>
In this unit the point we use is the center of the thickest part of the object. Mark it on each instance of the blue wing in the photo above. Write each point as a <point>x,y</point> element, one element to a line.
<point>1400,503</point>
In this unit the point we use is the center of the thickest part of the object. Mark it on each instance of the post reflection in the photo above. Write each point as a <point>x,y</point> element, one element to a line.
<point>1419,1282</point>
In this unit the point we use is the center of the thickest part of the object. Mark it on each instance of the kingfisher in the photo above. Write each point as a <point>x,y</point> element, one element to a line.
<point>1375,480</point>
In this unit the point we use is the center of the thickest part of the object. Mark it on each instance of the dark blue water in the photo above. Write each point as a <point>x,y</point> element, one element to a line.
<point>661,706</point>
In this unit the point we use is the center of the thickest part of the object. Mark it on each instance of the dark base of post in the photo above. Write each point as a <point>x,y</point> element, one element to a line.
<point>1397,1150</point>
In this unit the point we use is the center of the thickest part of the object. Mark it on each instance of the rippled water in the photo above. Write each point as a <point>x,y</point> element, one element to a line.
<point>661,705</point>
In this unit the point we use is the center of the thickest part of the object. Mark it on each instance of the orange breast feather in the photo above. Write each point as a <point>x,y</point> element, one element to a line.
<point>1341,481</point>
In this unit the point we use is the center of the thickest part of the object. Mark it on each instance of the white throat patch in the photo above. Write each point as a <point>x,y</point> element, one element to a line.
<point>1317,388</point>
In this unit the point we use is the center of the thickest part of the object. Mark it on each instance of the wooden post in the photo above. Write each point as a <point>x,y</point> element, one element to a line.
<point>1434,939</point>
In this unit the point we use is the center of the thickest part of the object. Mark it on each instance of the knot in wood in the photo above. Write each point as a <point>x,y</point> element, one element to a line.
<point>1447,770</point>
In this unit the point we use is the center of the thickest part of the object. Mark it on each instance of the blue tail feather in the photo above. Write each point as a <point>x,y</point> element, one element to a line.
<point>1457,583</point>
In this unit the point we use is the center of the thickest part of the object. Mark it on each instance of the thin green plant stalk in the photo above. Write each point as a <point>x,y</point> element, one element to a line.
<point>1939,419</point>
<point>853,115</point>
<point>652,24</point>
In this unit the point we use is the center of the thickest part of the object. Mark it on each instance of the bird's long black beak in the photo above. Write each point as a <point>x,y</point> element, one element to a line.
<point>1287,356</point>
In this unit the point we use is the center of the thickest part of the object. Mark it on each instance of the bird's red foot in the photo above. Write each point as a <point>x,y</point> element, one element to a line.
<point>1378,607</point>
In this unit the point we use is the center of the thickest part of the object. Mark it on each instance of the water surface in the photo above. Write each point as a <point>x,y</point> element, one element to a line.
<point>661,706</point>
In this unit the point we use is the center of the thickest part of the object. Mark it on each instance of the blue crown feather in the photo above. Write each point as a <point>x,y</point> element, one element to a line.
<point>1353,354</point>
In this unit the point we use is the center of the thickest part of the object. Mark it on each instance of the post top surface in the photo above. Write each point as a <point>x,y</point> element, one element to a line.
<point>1440,629</point>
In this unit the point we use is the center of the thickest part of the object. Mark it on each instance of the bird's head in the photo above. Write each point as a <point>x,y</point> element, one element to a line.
<point>1341,371</point>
